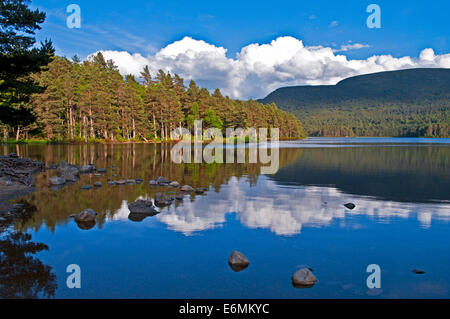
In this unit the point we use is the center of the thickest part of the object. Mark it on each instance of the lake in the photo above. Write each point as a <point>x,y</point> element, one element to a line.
<point>295,217</point>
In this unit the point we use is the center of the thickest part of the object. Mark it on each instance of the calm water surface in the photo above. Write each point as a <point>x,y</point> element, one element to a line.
<point>401,188</point>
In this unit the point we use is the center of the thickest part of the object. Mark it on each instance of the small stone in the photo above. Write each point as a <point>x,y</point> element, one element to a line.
<point>97,174</point>
<point>350,206</point>
<point>179,197</point>
<point>238,261</point>
<point>303,278</point>
<point>86,187</point>
<point>186,188</point>
<point>418,271</point>
<point>121,182</point>
<point>111,183</point>
<point>174,184</point>
<point>153,182</point>
<point>139,180</point>
<point>98,184</point>
<point>101,170</point>
<point>55,180</point>
<point>131,181</point>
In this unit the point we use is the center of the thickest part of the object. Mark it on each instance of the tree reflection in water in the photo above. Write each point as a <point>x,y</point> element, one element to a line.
<point>22,275</point>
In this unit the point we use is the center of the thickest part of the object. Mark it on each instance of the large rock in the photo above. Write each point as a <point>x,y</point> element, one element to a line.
<point>55,180</point>
<point>186,188</point>
<point>303,278</point>
<point>85,216</point>
<point>174,184</point>
<point>141,209</point>
<point>86,225</point>
<point>162,200</point>
<point>238,261</point>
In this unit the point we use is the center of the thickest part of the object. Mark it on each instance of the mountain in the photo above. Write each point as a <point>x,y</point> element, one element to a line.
<point>413,102</point>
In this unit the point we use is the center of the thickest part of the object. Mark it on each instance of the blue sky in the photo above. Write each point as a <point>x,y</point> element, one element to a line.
<point>145,27</point>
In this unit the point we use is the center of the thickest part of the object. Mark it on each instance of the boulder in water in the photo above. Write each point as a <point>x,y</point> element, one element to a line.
<point>186,188</point>
<point>238,261</point>
<point>162,200</point>
<point>303,278</point>
<point>174,184</point>
<point>87,215</point>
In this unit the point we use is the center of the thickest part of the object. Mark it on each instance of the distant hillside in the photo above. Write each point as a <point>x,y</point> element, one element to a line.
<point>414,102</point>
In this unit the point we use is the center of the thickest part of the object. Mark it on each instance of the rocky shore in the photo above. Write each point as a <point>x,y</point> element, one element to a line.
<point>16,179</point>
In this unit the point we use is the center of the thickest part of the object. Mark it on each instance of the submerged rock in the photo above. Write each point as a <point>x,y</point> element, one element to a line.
<point>87,215</point>
<point>201,190</point>
<point>186,188</point>
<point>161,180</point>
<point>162,200</point>
<point>350,206</point>
<point>86,187</point>
<point>303,278</point>
<point>418,271</point>
<point>67,169</point>
<point>55,180</point>
<point>69,177</point>
<point>87,169</point>
<point>238,261</point>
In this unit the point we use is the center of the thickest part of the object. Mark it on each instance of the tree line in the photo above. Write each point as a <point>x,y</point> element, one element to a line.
<point>85,101</point>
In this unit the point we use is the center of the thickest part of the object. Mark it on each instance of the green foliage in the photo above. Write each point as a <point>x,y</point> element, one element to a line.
<point>18,59</point>
<point>91,102</point>
<point>212,120</point>
<point>412,102</point>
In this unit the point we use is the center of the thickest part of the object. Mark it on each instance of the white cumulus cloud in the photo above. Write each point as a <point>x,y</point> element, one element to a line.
<point>259,69</point>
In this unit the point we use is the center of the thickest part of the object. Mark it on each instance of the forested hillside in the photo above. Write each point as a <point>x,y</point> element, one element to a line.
<point>413,102</point>
<point>90,100</point>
